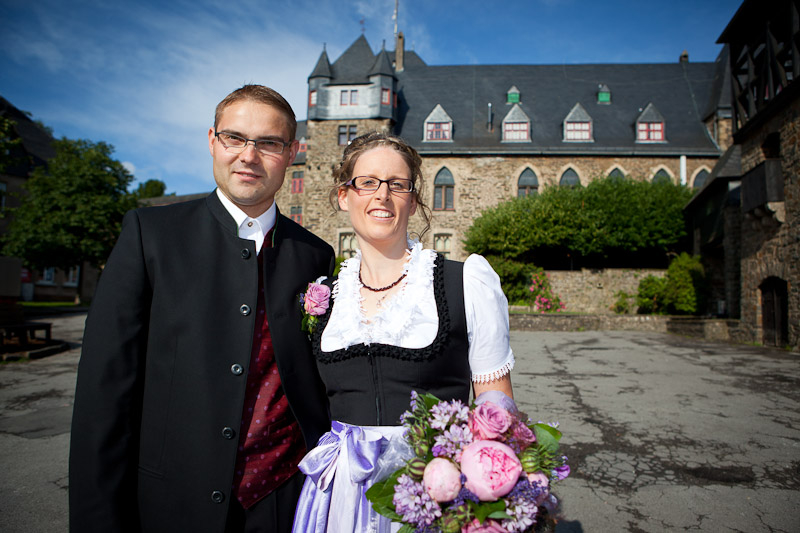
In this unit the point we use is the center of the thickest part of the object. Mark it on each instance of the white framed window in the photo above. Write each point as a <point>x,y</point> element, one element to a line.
<point>650,131</point>
<point>441,243</point>
<point>47,276</point>
<point>72,276</point>
<point>516,131</point>
<point>578,131</point>
<point>312,98</point>
<point>344,97</point>
<point>437,131</point>
<point>354,97</point>
<point>386,96</point>
<point>348,244</point>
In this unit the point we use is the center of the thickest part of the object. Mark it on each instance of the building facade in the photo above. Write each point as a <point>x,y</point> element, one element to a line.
<point>488,133</point>
<point>747,219</point>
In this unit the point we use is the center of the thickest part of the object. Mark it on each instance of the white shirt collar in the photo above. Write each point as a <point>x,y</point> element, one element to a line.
<point>253,229</point>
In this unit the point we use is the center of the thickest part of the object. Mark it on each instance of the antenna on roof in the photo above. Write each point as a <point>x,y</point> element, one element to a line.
<point>394,18</point>
<point>363,28</point>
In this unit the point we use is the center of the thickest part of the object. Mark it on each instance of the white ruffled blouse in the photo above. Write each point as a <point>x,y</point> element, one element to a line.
<point>409,318</point>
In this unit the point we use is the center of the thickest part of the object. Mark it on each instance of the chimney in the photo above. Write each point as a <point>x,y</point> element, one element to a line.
<point>489,119</point>
<point>685,57</point>
<point>399,52</point>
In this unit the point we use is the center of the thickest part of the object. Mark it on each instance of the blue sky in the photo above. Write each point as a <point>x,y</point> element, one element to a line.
<point>145,76</point>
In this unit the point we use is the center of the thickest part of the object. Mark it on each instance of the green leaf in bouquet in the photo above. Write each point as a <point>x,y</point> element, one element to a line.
<point>547,436</point>
<point>381,495</point>
<point>406,529</point>
<point>429,399</point>
<point>483,510</point>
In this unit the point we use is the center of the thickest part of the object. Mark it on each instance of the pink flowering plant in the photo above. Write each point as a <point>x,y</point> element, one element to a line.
<point>542,297</point>
<point>487,468</point>
<point>314,303</point>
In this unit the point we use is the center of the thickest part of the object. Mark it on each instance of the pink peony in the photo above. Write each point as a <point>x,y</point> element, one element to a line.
<point>488,421</point>
<point>442,480</point>
<point>317,299</point>
<point>523,435</point>
<point>490,526</point>
<point>492,469</point>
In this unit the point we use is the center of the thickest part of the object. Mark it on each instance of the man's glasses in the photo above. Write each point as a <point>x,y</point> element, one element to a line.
<point>368,183</point>
<point>236,145</point>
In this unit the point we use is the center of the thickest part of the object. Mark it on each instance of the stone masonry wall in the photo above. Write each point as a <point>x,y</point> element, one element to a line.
<point>594,291</point>
<point>771,244</point>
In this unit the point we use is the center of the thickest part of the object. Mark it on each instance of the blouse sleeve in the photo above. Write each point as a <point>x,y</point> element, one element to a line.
<point>490,355</point>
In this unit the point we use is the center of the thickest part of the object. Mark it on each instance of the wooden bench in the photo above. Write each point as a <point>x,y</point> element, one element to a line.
<point>25,332</point>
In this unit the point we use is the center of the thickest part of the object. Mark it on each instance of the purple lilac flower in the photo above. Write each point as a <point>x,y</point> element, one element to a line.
<point>444,412</point>
<point>561,472</point>
<point>521,505</point>
<point>452,441</point>
<point>464,495</point>
<point>412,502</point>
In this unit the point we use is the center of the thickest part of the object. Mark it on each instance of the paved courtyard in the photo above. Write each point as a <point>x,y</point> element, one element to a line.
<point>663,433</point>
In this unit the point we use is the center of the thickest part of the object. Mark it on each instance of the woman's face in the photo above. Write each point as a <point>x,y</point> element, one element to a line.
<point>379,217</point>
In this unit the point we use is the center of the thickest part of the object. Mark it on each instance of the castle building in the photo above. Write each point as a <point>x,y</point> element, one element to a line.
<point>746,219</point>
<point>488,133</point>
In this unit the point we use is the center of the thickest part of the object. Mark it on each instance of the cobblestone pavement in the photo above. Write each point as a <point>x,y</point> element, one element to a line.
<point>663,433</point>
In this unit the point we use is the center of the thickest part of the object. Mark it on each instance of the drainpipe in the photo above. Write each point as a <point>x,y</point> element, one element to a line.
<point>683,170</point>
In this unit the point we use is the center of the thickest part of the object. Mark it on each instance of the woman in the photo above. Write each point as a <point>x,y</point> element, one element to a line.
<point>402,319</point>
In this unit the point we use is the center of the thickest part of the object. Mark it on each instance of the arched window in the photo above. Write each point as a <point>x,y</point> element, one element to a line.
<point>443,190</point>
<point>616,174</point>
<point>348,244</point>
<point>569,179</point>
<point>441,243</point>
<point>662,177</point>
<point>528,184</point>
<point>700,179</point>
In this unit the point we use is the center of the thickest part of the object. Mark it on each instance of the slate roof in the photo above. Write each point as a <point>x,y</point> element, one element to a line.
<point>548,93</point>
<point>683,93</point>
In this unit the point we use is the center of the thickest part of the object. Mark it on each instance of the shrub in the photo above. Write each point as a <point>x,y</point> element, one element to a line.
<point>650,296</point>
<point>686,287</point>
<point>543,299</point>
<point>622,305</point>
<point>514,279</point>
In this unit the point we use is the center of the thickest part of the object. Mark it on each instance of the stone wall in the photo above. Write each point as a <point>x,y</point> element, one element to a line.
<point>594,290</point>
<point>770,241</point>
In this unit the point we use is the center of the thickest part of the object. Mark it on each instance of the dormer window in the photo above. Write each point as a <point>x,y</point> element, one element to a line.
<point>578,125</point>
<point>438,126</point>
<point>516,125</point>
<point>650,131</point>
<point>603,94</point>
<point>650,126</point>
<point>512,96</point>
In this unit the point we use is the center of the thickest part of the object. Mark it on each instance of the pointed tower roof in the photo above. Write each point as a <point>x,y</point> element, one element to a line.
<point>323,68</point>
<point>353,65</point>
<point>382,65</point>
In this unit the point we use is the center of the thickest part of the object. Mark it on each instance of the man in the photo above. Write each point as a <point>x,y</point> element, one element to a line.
<point>197,392</point>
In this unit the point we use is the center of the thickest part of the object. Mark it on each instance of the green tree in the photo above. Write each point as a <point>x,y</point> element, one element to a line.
<point>150,189</point>
<point>619,222</point>
<point>9,140</point>
<point>71,210</point>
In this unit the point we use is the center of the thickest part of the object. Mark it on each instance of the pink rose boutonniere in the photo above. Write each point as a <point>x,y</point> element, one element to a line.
<point>315,302</point>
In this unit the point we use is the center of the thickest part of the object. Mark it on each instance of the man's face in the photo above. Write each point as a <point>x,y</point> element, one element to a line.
<point>251,179</point>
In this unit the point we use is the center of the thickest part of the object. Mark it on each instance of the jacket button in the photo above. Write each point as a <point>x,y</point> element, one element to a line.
<point>244,309</point>
<point>228,433</point>
<point>217,496</point>
<point>245,253</point>
<point>237,370</point>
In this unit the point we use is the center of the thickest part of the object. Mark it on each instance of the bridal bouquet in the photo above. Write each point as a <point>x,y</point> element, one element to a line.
<point>484,469</point>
